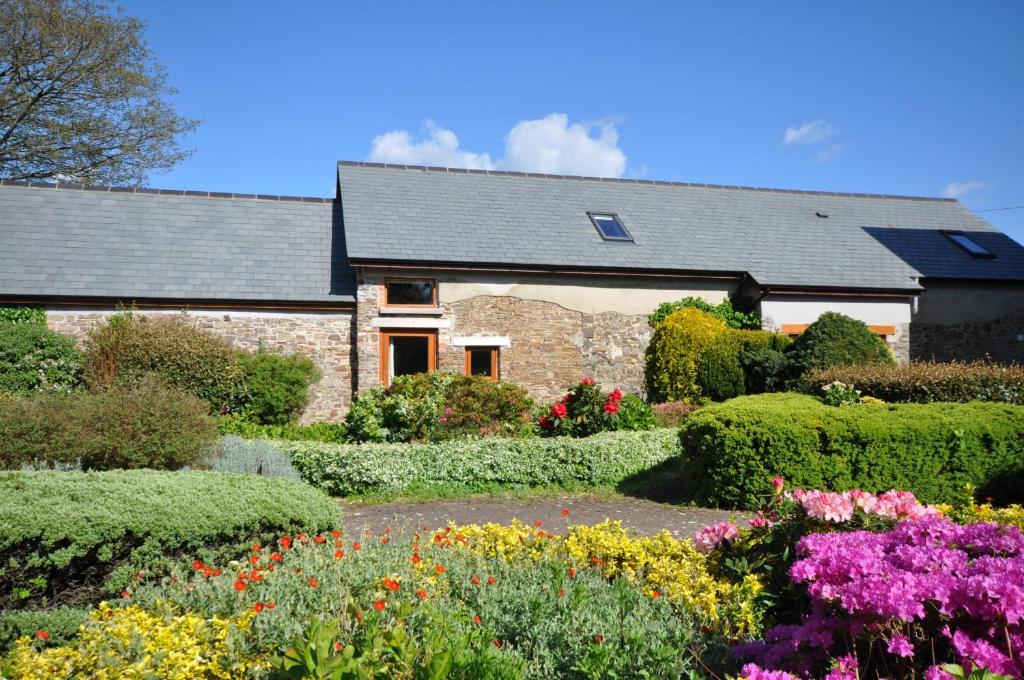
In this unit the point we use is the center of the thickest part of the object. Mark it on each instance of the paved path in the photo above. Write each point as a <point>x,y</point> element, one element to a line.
<point>643,516</point>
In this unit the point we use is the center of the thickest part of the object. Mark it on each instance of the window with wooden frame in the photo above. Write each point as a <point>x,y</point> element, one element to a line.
<point>408,292</point>
<point>482,361</point>
<point>405,352</point>
<point>795,329</point>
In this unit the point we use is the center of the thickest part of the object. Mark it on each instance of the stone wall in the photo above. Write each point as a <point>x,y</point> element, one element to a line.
<point>326,337</point>
<point>1001,340</point>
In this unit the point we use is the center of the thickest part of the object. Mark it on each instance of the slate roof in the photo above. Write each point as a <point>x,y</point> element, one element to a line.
<point>159,244</point>
<point>415,214</point>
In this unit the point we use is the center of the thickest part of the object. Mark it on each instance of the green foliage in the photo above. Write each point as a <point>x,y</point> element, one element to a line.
<point>568,462</point>
<point>277,386</point>
<point>73,537</point>
<point>764,370</point>
<point>737,447</point>
<point>635,415</point>
<point>60,623</point>
<point>35,316</point>
<point>674,352</point>
<point>129,347</point>
<point>36,359</point>
<point>126,426</point>
<point>723,311</point>
<point>925,382</point>
<point>318,431</point>
<point>837,340</point>
<point>252,457</point>
<point>437,407</point>
<point>719,372</point>
<point>672,413</point>
<point>586,410</point>
<point>839,394</point>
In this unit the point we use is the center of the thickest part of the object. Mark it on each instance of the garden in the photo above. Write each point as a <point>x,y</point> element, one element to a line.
<point>164,514</point>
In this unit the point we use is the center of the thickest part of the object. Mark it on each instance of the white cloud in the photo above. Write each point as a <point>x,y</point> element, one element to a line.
<point>831,152</point>
<point>437,147</point>
<point>550,145</point>
<point>809,133</point>
<point>960,189</point>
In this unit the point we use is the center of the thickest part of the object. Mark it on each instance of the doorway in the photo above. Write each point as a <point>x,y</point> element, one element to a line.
<point>407,352</point>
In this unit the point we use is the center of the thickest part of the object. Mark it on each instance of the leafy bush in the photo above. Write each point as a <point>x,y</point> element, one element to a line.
<point>931,449</point>
<point>603,459</point>
<point>723,311</point>
<point>437,407</point>
<point>143,425</point>
<point>277,386</point>
<point>764,370</point>
<point>318,431</point>
<point>673,354</point>
<point>69,537</point>
<point>252,457</point>
<point>59,623</point>
<point>672,414</point>
<point>719,372</point>
<point>129,347</point>
<point>926,382</point>
<point>586,410</point>
<point>837,340</point>
<point>839,394</point>
<point>36,359</point>
<point>34,316</point>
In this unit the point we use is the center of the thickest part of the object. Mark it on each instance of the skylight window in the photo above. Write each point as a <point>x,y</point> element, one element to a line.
<point>610,227</point>
<point>968,244</point>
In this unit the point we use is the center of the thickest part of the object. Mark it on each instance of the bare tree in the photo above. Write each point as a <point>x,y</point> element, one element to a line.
<point>81,98</point>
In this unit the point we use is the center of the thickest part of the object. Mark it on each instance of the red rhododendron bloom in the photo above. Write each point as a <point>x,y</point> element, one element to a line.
<point>42,635</point>
<point>616,395</point>
<point>379,605</point>
<point>313,583</point>
<point>566,398</point>
<point>586,380</point>
<point>611,408</point>
<point>559,410</point>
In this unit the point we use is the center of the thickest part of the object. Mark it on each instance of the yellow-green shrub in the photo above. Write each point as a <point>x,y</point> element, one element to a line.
<point>673,354</point>
<point>131,642</point>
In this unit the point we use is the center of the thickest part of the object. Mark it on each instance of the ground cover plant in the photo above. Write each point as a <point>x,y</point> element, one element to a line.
<point>734,449</point>
<point>321,431</point>
<point>603,459</point>
<point>585,410</point>
<point>251,457</point>
<point>926,381</point>
<point>69,538</point>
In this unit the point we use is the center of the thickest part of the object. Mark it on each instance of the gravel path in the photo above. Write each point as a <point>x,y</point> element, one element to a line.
<point>643,516</point>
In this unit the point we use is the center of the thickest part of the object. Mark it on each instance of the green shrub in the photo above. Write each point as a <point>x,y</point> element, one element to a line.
<point>672,414</point>
<point>719,372</point>
<point>635,414</point>
<point>318,431</point>
<point>60,623</point>
<point>837,340</point>
<point>125,426</point>
<point>437,407</point>
<point>723,311</point>
<point>35,316</point>
<point>737,447</point>
<point>36,359</point>
<point>277,386</point>
<point>604,459</point>
<point>73,537</point>
<point>674,352</point>
<point>586,410</point>
<point>758,340</point>
<point>926,382</point>
<point>252,457</point>
<point>128,347</point>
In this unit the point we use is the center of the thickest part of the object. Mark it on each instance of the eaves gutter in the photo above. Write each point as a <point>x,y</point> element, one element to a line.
<point>546,269</point>
<point>343,303</point>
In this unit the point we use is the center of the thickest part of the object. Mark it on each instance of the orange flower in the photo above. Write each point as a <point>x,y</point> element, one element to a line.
<point>254,559</point>
<point>379,605</point>
<point>497,643</point>
<point>537,523</point>
<point>416,559</point>
<point>239,585</point>
<point>475,580</point>
<point>572,572</point>
<point>275,557</point>
<point>256,547</point>
<point>338,647</point>
<point>476,619</point>
<point>339,543</point>
<point>391,585</point>
<point>655,595</point>
<point>439,568</point>
<point>285,542</point>
<point>319,539</point>
<point>420,593</point>
<point>357,546</point>
<point>598,639</point>
<point>125,595</point>
<point>197,565</point>
<point>565,512</point>
<point>387,531</point>
<point>384,540</point>
<point>491,580</point>
<point>561,592</point>
<point>271,605</point>
<point>335,533</point>
<point>313,583</point>
<point>42,635</point>
<point>258,607</point>
<point>338,554</point>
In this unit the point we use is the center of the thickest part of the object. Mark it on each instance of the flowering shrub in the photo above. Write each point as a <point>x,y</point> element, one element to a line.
<point>966,511</point>
<point>36,359</point>
<point>839,394</point>
<point>586,410</point>
<point>116,643</point>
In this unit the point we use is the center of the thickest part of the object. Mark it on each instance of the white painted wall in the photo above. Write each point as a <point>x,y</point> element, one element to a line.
<point>779,310</point>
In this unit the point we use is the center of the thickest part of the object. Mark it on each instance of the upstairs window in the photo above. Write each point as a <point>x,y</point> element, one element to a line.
<point>968,244</point>
<point>610,227</point>
<point>410,293</point>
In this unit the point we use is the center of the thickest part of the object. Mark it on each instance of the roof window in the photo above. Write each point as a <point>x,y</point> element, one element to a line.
<point>968,244</point>
<point>610,226</point>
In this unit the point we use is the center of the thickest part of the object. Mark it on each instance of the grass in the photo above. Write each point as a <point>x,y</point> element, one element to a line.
<point>428,494</point>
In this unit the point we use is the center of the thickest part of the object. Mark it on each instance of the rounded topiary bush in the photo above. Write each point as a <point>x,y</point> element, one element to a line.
<point>674,352</point>
<point>719,372</point>
<point>34,358</point>
<point>837,340</point>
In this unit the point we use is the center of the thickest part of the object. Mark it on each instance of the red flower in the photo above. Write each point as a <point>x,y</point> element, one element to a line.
<point>586,380</point>
<point>616,395</point>
<point>546,423</point>
<point>598,639</point>
<point>319,539</point>
<point>476,619</point>
<point>391,585</point>
<point>565,512</point>
<point>561,592</point>
<point>475,580</point>
<point>491,580</point>
<point>256,547</point>
<point>313,583</point>
<point>537,523</point>
<point>285,542</point>
<point>335,533</point>
<point>239,585</point>
<point>655,595</point>
<point>258,607</point>
<point>357,546</point>
<point>338,647</point>
<point>197,565</point>
<point>42,635</point>
<point>559,410</point>
<point>611,408</point>
<point>420,593</point>
<point>125,595</point>
<point>384,541</point>
<point>338,554</point>
<point>497,643</point>
<point>271,605</point>
<point>276,557</point>
<point>416,559</point>
<point>379,605</point>
<point>439,568</point>
<point>572,572</point>
<point>566,398</point>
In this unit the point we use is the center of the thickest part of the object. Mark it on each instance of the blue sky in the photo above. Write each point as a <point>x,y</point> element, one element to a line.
<point>923,98</point>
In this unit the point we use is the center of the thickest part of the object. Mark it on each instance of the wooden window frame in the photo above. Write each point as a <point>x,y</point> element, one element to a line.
<point>495,360</point>
<point>384,348</point>
<point>793,329</point>
<point>384,291</point>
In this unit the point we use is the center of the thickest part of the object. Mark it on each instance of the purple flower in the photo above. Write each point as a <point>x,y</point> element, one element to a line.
<point>900,646</point>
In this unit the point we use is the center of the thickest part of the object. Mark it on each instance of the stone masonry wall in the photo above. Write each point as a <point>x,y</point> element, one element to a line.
<point>324,337</point>
<point>1001,340</point>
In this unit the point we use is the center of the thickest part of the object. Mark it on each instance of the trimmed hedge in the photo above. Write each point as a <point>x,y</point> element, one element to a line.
<point>603,459</point>
<point>736,447</point>
<point>72,537</point>
<point>925,382</point>
<point>837,340</point>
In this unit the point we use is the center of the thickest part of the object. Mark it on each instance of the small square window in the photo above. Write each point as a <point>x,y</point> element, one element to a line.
<point>410,293</point>
<point>482,361</point>
<point>610,227</point>
<point>968,244</point>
